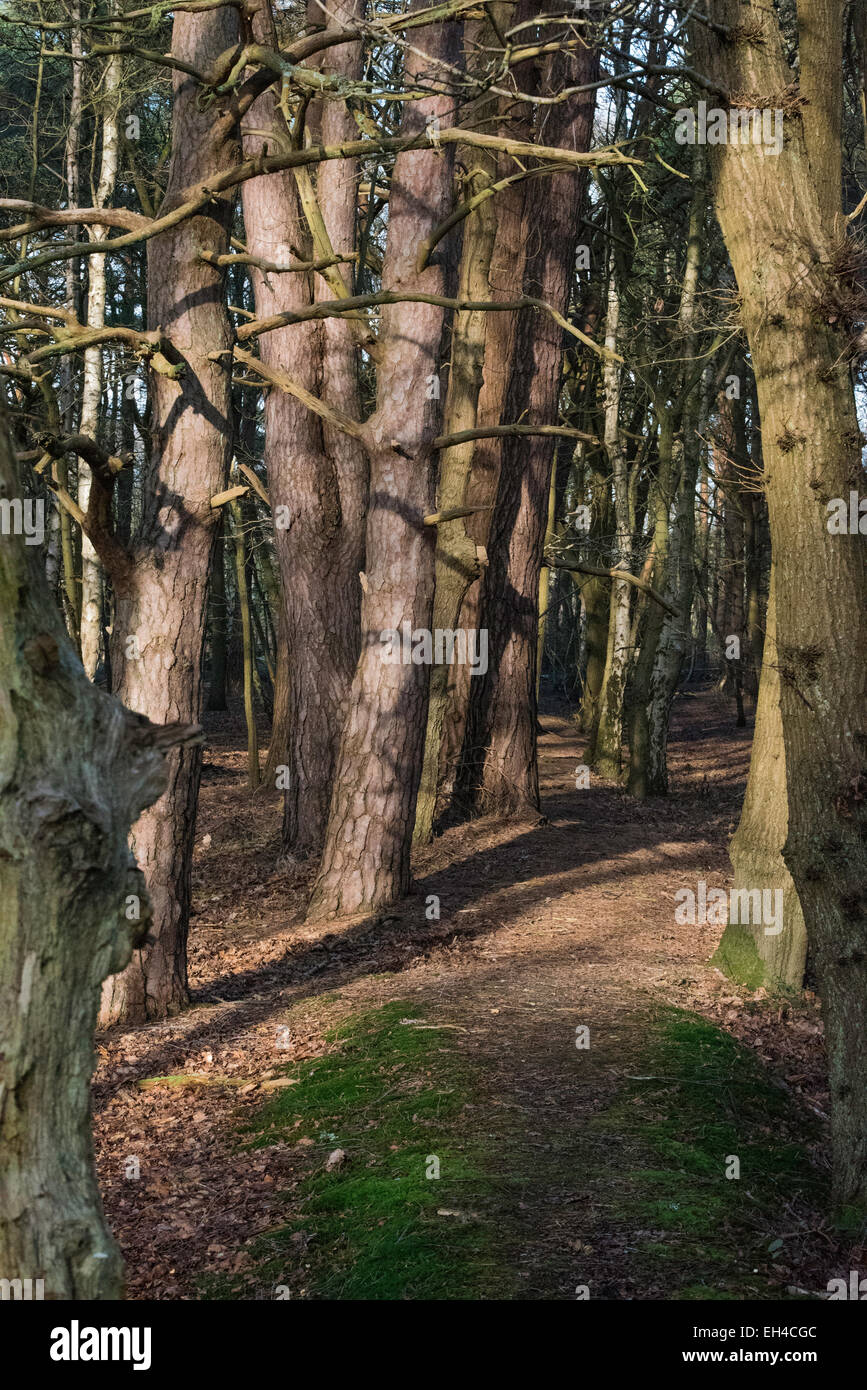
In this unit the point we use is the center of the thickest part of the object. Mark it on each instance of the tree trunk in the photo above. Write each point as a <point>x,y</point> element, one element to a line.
<point>506,278</point>
<point>278,747</point>
<point>317,477</point>
<point>658,668</point>
<point>607,746</point>
<point>457,563</point>
<point>596,598</point>
<point>784,243</point>
<point>746,952</point>
<point>638,783</point>
<point>674,640</point>
<point>500,771</point>
<point>366,859</point>
<point>219,621</point>
<point>76,768</point>
<point>731,459</point>
<point>159,627</point>
<point>92,391</point>
<point>247,640</point>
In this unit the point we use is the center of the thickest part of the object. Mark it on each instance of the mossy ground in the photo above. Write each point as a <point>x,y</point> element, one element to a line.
<point>662,1217</point>
<point>397,1098</point>
<point>702,1107</point>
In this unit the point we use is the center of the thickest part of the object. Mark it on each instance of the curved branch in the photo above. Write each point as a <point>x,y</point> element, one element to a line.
<point>575,567</point>
<point>331,308</point>
<point>200,195</point>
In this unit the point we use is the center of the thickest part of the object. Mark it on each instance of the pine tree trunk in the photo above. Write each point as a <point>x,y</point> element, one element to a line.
<point>506,278</point>
<point>366,858</point>
<point>159,628</point>
<point>317,477</point>
<point>457,564</point>
<point>499,772</point>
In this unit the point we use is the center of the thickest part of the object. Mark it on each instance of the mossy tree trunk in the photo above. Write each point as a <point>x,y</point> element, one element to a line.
<point>457,564</point>
<point>607,745</point>
<point>76,769</point>
<point>781,219</point>
<point>746,952</point>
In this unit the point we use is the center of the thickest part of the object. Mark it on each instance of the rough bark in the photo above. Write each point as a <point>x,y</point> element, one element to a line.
<point>506,278</point>
<point>317,477</point>
<point>161,597</point>
<point>746,952</point>
<point>500,771</point>
<point>457,558</point>
<point>76,768</point>
<point>366,859</point>
<point>784,243</point>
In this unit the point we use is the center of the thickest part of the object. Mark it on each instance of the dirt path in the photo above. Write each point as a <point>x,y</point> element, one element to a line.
<point>593,1167</point>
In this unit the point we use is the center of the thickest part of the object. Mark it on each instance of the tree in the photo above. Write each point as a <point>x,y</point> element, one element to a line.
<point>500,770</point>
<point>317,473</point>
<point>161,586</point>
<point>365,861</point>
<point>800,293</point>
<point>76,769</point>
<point>92,387</point>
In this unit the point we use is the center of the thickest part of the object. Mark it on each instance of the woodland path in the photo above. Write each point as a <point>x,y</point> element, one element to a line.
<point>578,1167</point>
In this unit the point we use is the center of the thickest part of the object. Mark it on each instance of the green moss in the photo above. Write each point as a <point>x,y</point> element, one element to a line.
<point>851,1220</point>
<point>393,1097</point>
<point>737,957</point>
<point>642,1182</point>
<point>704,1098</point>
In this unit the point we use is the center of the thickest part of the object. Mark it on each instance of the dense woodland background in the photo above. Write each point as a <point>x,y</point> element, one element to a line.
<point>323,323</point>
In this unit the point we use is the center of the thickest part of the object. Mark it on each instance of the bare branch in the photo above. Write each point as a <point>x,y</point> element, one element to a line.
<point>199,196</point>
<point>281,379</point>
<point>446,441</point>
<point>577,567</point>
<point>332,308</point>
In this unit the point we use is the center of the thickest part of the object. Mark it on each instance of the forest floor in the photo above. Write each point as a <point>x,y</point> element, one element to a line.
<point>408,1108</point>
